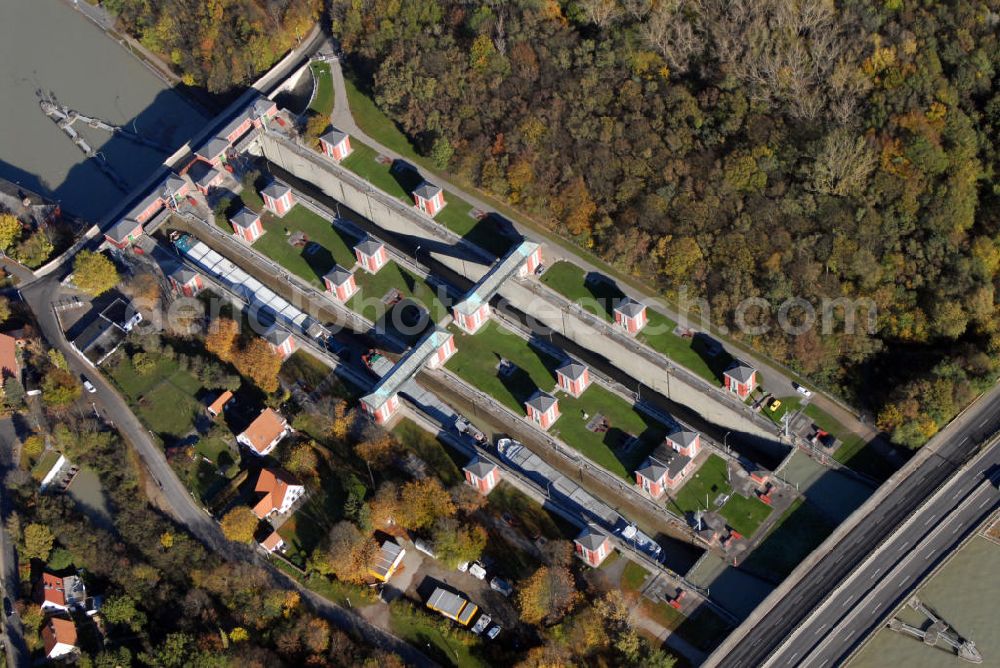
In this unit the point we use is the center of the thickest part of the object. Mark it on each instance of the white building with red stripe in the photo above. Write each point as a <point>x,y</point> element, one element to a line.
<point>482,474</point>
<point>371,254</point>
<point>593,545</point>
<point>340,283</point>
<point>247,225</point>
<point>336,144</point>
<point>278,197</point>
<point>573,378</point>
<point>630,315</point>
<point>542,409</point>
<point>429,198</point>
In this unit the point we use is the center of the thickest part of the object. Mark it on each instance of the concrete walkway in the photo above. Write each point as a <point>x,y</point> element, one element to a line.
<point>773,378</point>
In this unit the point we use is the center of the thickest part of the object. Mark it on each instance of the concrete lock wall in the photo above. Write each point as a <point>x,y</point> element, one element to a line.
<point>450,250</point>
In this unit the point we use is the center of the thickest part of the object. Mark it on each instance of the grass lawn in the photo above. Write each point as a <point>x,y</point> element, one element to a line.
<point>375,123</point>
<point>418,631</point>
<point>406,318</point>
<point>799,531</point>
<point>425,446</point>
<point>304,530</point>
<point>363,162</point>
<point>322,103</point>
<point>633,576</point>
<point>213,448</point>
<point>600,296</point>
<point>666,616</point>
<point>505,498</point>
<point>745,514</point>
<point>483,232</point>
<point>605,449</point>
<point>44,465</point>
<point>326,245</point>
<point>165,397</point>
<point>478,356</point>
<point>306,368</point>
<point>710,480</point>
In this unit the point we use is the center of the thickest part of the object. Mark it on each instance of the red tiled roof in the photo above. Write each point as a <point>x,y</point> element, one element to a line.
<point>8,357</point>
<point>221,401</point>
<point>51,590</point>
<point>262,431</point>
<point>58,630</point>
<point>274,486</point>
<point>271,542</point>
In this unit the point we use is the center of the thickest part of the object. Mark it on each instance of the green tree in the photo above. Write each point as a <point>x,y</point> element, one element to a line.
<point>316,127</point>
<point>122,610</point>
<point>35,250</point>
<point>455,542</point>
<point>94,273</point>
<point>143,363</point>
<point>4,309</point>
<point>57,359</point>
<point>38,540</point>
<point>60,388</point>
<point>13,392</point>
<point>442,152</point>
<point>240,524</point>
<point>10,231</point>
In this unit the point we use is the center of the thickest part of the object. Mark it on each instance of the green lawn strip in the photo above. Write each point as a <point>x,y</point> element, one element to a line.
<point>505,498</point>
<point>420,629</point>
<point>688,353</point>
<point>799,531</point>
<point>364,162</point>
<point>135,385</point>
<point>322,102</point>
<point>327,245</point>
<point>171,408</point>
<point>405,319</point>
<point>633,577</point>
<point>213,448</point>
<point>425,446</point>
<point>605,448</point>
<point>306,368</point>
<point>375,123</point>
<point>710,479</point>
<point>44,465</point>
<point>745,514</point>
<point>478,356</point>
<point>569,280</point>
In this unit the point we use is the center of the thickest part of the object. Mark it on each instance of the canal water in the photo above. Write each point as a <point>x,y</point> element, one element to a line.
<point>965,593</point>
<point>46,45</point>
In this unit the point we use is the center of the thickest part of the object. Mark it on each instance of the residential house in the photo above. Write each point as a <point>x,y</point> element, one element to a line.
<point>265,432</point>
<point>663,469</point>
<point>573,378</point>
<point>215,409</point>
<point>429,198</point>
<point>593,545</point>
<point>10,367</point>
<point>205,176</point>
<point>542,409</point>
<point>59,637</point>
<point>386,561</point>
<point>281,341</point>
<point>278,197</point>
<point>336,144</point>
<point>740,378</point>
<point>688,443</point>
<point>280,491</point>
<point>371,254</point>
<point>482,474</point>
<point>630,315</point>
<point>214,151</point>
<point>340,283</point>
<point>273,543</point>
<point>186,281</point>
<point>60,594</point>
<point>247,226</point>
<point>123,233</point>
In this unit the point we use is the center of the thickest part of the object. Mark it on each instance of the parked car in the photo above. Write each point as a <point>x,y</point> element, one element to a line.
<point>502,586</point>
<point>463,567</point>
<point>540,269</point>
<point>481,624</point>
<point>494,632</point>
<point>87,385</point>
<point>775,405</point>
<point>805,392</point>
<point>477,571</point>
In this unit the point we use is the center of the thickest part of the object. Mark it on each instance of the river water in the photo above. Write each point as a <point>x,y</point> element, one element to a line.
<point>47,45</point>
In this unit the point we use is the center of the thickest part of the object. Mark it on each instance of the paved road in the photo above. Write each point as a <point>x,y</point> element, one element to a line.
<point>889,576</point>
<point>957,443</point>
<point>17,651</point>
<point>773,378</point>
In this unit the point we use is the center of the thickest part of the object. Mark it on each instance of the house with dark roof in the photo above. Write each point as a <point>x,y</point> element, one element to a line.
<point>593,545</point>
<point>630,315</point>
<point>482,474</point>
<point>740,378</point>
<point>371,254</point>
<point>214,151</point>
<point>205,176</point>
<point>336,144</point>
<point>663,469</point>
<point>429,198</point>
<point>278,197</point>
<point>123,233</point>
<point>542,409</point>
<point>573,377</point>
<point>246,225</point>
<point>688,443</point>
<point>56,593</point>
<point>105,333</point>
<point>280,491</point>
<point>340,283</point>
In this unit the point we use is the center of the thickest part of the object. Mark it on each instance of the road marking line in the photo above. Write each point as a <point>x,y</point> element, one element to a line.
<point>985,420</point>
<point>792,658</point>
<point>955,530</point>
<point>956,495</point>
<point>848,636</point>
<point>985,502</point>
<point>818,631</point>
<point>903,582</point>
<point>929,520</point>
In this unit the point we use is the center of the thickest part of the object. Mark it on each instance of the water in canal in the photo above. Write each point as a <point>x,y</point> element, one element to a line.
<point>965,592</point>
<point>46,45</point>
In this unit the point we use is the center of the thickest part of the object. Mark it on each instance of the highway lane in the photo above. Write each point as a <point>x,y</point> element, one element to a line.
<point>890,575</point>
<point>957,444</point>
<point>39,296</point>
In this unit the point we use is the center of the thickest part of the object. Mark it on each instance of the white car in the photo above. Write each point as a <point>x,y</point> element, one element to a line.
<point>87,385</point>
<point>802,390</point>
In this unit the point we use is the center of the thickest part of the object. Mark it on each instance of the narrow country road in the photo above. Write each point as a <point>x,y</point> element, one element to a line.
<point>13,633</point>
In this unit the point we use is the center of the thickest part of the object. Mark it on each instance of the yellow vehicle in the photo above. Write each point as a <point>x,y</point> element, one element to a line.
<point>775,405</point>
